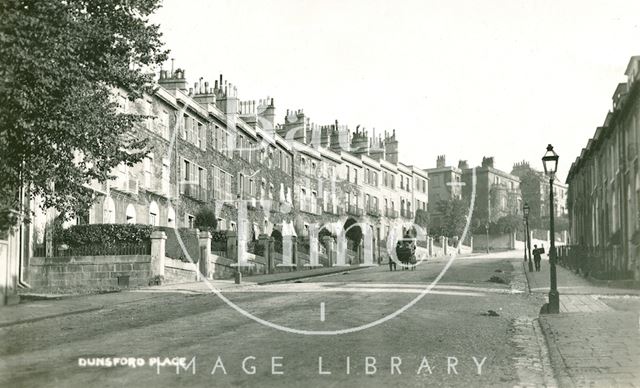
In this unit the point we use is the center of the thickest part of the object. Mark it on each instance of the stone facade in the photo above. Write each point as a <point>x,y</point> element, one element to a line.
<point>604,183</point>
<point>497,192</point>
<point>210,149</point>
<point>534,186</point>
<point>445,181</point>
<point>343,175</point>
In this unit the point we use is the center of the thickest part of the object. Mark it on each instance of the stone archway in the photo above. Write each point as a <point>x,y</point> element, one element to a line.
<point>277,240</point>
<point>353,232</point>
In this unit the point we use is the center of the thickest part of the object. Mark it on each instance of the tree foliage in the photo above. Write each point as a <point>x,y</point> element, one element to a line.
<point>422,219</point>
<point>530,187</point>
<point>507,224</point>
<point>560,223</point>
<point>60,62</point>
<point>206,219</point>
<point>453,218</point>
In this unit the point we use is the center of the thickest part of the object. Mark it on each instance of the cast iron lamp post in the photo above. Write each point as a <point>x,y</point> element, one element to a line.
<point>237,275</point>
<point>486,229</point>
<point>550,163</point>
<point>527,240</point>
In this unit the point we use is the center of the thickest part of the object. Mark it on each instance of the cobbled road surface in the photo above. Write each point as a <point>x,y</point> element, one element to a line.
<point>448,337</point>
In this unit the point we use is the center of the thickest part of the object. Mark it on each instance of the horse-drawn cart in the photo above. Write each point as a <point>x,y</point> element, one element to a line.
<point>406,253</point>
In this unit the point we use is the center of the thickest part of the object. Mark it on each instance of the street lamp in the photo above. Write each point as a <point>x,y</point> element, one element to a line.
<point>237,275</point>
<point>550,163</point>
<point>527,239</point>
<point>486,229</point>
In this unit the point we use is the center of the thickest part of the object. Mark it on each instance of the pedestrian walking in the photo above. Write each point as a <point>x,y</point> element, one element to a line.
<point>392,262</point>
<point>536,257</point>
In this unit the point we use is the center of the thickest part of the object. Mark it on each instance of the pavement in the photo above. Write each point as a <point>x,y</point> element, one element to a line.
<point>595,340</point>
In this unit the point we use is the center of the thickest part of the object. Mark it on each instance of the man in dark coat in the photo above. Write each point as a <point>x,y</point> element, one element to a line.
<point>392,262</point>
<point>536,257</point>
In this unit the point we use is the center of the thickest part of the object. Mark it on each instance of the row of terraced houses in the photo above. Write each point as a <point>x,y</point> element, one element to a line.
<point>604,189</point>
<point>209,148</point>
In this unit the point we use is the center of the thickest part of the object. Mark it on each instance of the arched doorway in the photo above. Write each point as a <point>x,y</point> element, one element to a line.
<point>353,232</point>
<point>108,211</point>
<point>171,217</point>
<point>277,240</point>
<point>130,215</point>
<point>325,232</point>
<point>154,213</point>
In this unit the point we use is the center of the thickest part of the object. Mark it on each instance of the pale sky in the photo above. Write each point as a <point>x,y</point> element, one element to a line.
<point>465,78</point>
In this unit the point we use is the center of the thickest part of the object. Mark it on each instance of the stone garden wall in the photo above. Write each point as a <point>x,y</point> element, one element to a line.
<point>90,271</point>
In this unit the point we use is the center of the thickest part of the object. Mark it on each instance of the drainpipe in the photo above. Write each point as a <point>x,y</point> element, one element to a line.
<point>21,256</point>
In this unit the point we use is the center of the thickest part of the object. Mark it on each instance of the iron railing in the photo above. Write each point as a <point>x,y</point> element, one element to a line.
<point>407,214</point>
<point>354,210</point>
<point>598,262</point>
<point>373,211</point>
<point>308,206</point>
<point>194,191</point>
<point>143,248</point>
<point>391,213</point>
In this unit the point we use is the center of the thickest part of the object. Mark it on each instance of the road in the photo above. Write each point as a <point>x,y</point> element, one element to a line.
<point>446,338</point>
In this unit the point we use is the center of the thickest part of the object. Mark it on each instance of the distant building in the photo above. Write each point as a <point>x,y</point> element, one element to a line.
<point>445,183</point>
<point>497,192</point>
<point>534,186</point>
<point>604,184</point>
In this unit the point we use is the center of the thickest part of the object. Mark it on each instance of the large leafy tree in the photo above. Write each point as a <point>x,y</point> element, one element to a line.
<point>507,224</point>
<point>453,218</point>
<point>60,61</point>
<point>422,219</point>
<point>530,187</point>
<point>560,223</point>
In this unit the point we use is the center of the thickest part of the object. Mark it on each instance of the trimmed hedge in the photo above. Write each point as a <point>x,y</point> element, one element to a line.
<point>103,234</point>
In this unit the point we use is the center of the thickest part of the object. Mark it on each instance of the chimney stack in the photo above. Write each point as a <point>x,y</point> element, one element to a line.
<point>487,162</point>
